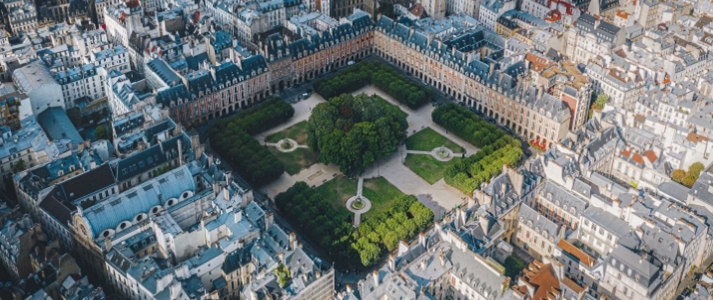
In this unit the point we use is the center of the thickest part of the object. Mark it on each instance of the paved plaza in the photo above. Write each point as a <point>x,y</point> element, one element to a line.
<point>439,197</point>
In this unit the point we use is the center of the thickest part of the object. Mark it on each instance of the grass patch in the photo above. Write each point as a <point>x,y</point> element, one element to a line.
<point>428,139</point>
<point>338,190</point>
<point>427,167</point>
<point>297,132</point>
<point>296,160</point>
<point>381,193</point>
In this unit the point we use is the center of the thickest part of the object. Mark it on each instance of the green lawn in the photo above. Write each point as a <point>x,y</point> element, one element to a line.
<point>296,160</point>
<point>381,193</point>
<point>297,132</point>
<point>428,139</point>
<point>338,190</point>
<point>429,168</point>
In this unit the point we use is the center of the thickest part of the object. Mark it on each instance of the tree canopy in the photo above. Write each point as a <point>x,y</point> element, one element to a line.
<point>496,148</point>
<point>331,229</point>
<point>688,178</point>
<point>386,78</point>
<point>354,131</point>
<point>231,138</point>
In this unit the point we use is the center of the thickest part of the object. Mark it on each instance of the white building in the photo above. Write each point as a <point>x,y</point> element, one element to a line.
<point>83,81</point>
<point>112,59</point>
<point>35,81</point>
<point>491,10</point>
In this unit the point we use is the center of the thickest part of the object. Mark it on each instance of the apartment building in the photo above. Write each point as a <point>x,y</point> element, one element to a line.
<point>464,67</point>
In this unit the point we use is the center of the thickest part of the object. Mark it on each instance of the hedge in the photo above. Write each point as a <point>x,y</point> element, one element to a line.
<point>231,138</point>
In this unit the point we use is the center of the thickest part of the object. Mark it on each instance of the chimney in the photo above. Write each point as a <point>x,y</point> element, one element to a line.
<point>349,289</point>
<point>492,69</point>
<point>442,258</point>
<point>293,241</point>
<point>375,275</point>
<point>422,239</point>
<point>107,244</point>
<point>281,257</point>
<point>269,220</point>
<point>392,262</point>
<point>227,177</point>
<point>423,264</point>
<point>226,193</point>
<point>238,216</point>
<point>180,153</point>
<point>210,160</point>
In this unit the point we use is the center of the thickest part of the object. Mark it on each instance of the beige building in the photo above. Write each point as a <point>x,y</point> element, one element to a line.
<point>537,235</point>
<point>436,9</point>
<point>465,67</point>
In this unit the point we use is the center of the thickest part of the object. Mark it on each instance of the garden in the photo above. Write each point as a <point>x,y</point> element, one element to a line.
<point>381,193</point>
<point>331,228</point>
<point>297,133</point>
<point>427,167</point>
<point>428,139</point>
<point>496,148</point>
<point>337,191</point>
<point>355,131</point>
<point>411,93</point>
<point>232,139</point>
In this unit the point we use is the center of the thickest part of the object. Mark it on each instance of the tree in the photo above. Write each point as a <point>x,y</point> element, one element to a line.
<point>232,139</point>
<point>602,100</point>
<point>18,166</point>
<point>386,8</point>
<point>102,132</point>
<point>689,180</point>
<point>696,168</point>
<point>75,116</point>
<point>354,131</point>
<point>677,175</point>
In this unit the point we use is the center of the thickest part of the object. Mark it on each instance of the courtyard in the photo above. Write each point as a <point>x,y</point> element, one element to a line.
<point>412,169</point>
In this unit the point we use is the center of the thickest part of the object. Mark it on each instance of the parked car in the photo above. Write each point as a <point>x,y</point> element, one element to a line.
<point>305,95</point>
<point>351,62</point>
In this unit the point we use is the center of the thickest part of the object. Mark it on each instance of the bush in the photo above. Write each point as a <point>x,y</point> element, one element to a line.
<point>231,138</point>
<point>384,77</point>
<point>353,132</point>
<point>496,148</point>
<point>331,229</point>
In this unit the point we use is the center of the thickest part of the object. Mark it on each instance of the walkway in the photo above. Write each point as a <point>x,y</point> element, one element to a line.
<point>367,203</point>
<point>293,143</point>
<point>434,153</point>
<point>419,119</point>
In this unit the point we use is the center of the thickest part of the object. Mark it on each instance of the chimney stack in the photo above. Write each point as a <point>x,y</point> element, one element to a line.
<point>180,153</point>
<point>293,241</point>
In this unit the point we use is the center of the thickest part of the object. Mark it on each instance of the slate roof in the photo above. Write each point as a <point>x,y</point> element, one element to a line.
<point>162,70</point>
<point>57,207</point>
<point>139,199</point>
<point>528,214</point>
<point>645,270</point>
<point>606,220</point>
<point>87,183</point>
<point>57,125</point>
<point>150,158</point>
<point>328,37</point>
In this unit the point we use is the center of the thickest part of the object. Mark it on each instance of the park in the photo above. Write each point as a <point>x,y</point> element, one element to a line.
<point>363,164</point>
